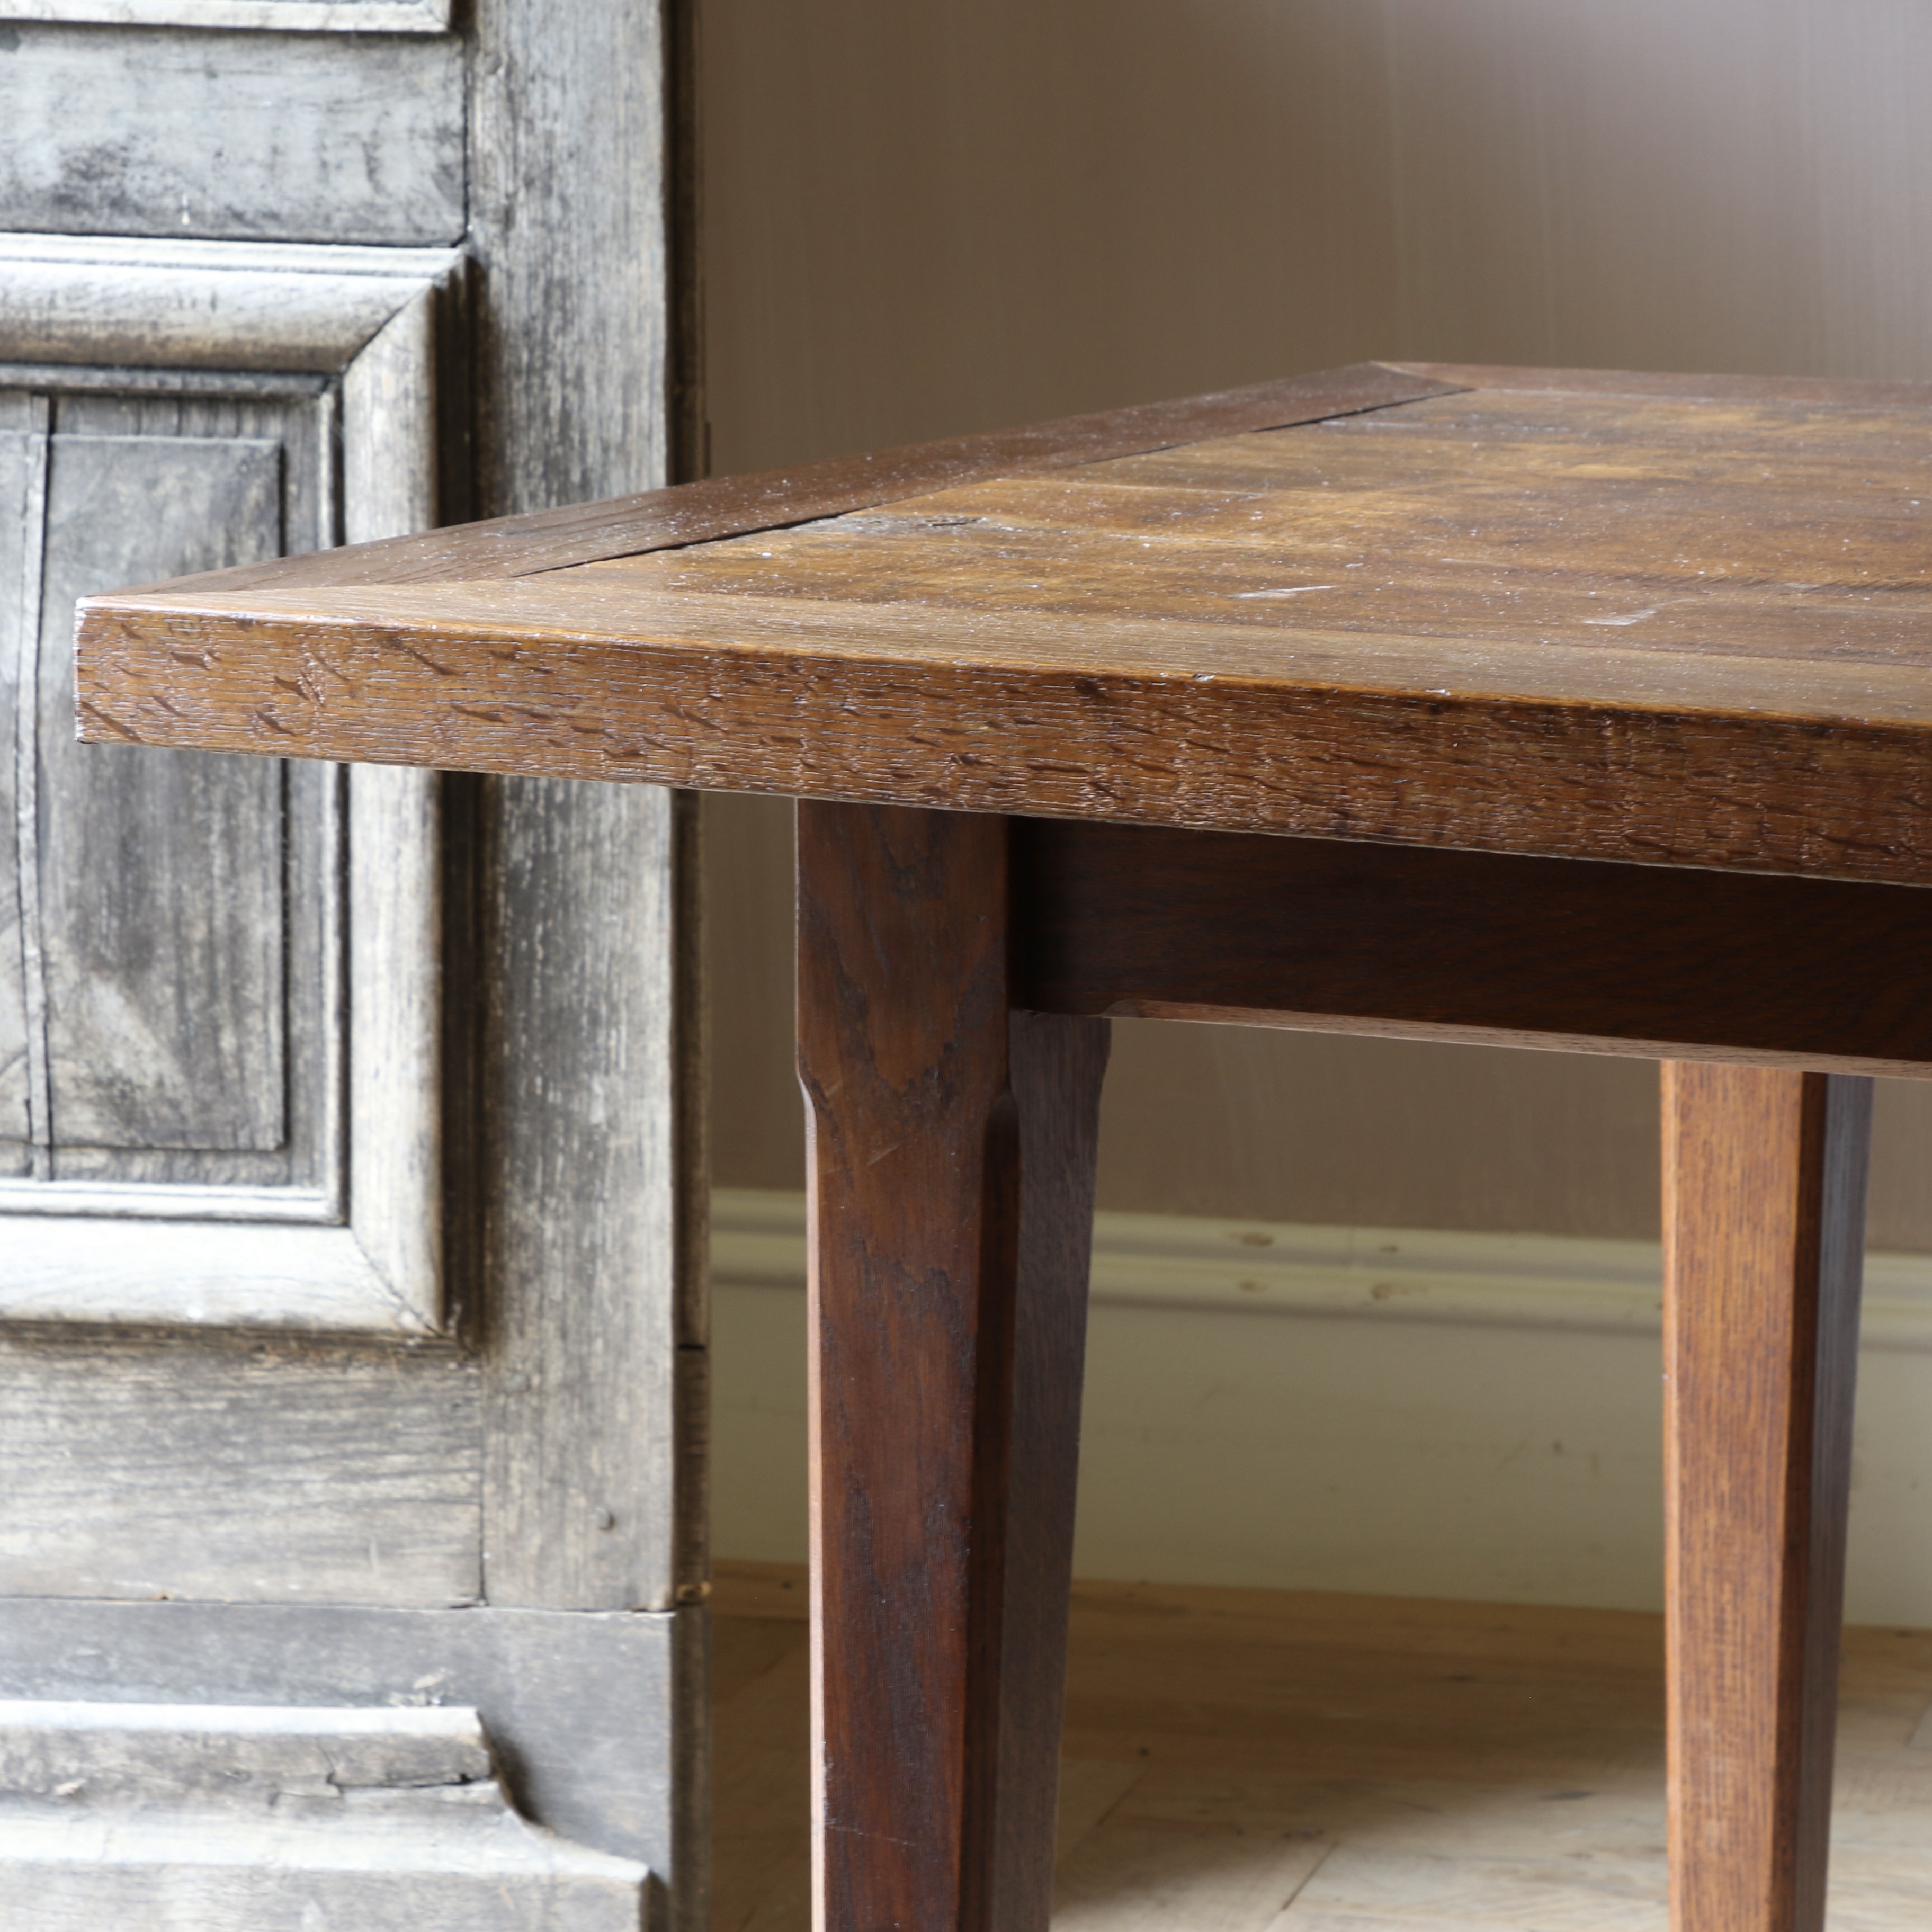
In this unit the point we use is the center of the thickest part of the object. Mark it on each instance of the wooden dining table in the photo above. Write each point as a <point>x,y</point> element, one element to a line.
<point>1584,710</point>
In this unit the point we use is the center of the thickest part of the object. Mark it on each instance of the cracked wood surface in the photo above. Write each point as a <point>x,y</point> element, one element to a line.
<point>254,1819</point>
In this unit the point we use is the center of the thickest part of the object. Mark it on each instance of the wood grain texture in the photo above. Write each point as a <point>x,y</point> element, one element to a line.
<point>397,962</point>
<point>952,1149</point>
<point>1652,629</point>
<point>570,298</point>
<point>1764,1222</point>
<point>22,489</point>
<point>583,1709</point>
<point>263,1473</point>
<point>172,131</point>
<point>587,1286</point>
<point>589,1104</point>
<point>1056,1065</point>
<point>703,512</point>
<point>241,1819</point>
<point>197,1272</point>
<point>567,191</point>
<point>309,17</point>
<point>1472,946</point>
<point>142,878</point>
<point>1711,387</point>
<point>159,876</point>
<point>210,306</point>
<point>132,435</point>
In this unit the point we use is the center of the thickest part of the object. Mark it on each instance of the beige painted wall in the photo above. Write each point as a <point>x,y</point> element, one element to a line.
<point>925,218</point>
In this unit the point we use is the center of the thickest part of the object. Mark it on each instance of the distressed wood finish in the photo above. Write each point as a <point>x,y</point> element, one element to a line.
<point>271,1473</point>
<point>1764,1225</point>
<point>170,131</point>
<point>222,1105</point>
<point>311,16</point>
<point>1472,946</point>
<point>587,1709</point>
<point>545,1446</point>
<point>242,1818</point>
<point>1511,619</point>
<point>953,1157</point>
<point>725,506</point>
<point>583,1508</point>
<point>144,874</point>
<point>1440,622</point>
<point>193,848</point>
<point>593,1487</point>
<point>210,306</point>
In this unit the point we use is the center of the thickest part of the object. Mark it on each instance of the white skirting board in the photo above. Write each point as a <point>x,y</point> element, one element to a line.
<point>1404,1411</point>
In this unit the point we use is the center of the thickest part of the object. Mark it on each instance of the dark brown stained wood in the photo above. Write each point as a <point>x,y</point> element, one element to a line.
<point>1638,628</point>
<point>1764,1180</point>
<point>952,1162</point>
<point>1510,951</point>
<point>725,506</point>
<point>1056,1067</point>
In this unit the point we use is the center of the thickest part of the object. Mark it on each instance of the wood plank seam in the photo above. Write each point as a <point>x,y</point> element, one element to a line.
<point>722,507</point>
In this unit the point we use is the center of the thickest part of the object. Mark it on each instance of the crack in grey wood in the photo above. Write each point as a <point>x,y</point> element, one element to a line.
<point>26,792</point>
<point>15,462</point>
<point>585,1710</point>
<point>240,1818</point>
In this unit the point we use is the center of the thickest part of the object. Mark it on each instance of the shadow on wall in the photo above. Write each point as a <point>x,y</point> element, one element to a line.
<point>922,219</point>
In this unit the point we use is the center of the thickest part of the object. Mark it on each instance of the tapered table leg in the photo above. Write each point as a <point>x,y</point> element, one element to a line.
<point>1764,1224</point>
<point>951,1149</point>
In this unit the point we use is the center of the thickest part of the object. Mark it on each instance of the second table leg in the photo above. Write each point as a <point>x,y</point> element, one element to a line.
<point>1764,1177</point>
<point>951,1148</point>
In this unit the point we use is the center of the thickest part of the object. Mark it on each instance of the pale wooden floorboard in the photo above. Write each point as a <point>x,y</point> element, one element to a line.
<point>1247,1761</point>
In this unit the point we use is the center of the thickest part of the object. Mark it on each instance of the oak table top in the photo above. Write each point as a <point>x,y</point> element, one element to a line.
<point>1675,620</point>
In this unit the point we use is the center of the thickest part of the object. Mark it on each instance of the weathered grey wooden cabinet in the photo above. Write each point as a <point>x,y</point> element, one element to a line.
<point>351,1355</point>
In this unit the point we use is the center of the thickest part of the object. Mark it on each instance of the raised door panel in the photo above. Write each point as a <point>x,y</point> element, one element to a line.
<point>219,985</point>
<point>161,885</point>
<point>177,918</point>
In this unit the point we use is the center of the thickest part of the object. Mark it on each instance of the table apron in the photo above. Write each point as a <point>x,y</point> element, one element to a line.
<point>1659,962</point>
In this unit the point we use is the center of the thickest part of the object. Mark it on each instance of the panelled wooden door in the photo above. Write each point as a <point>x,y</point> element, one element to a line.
<point>350,1354</point>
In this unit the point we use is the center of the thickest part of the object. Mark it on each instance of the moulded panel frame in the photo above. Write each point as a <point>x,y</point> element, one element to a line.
<point>360,1252</point>
<point>287,17</point>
